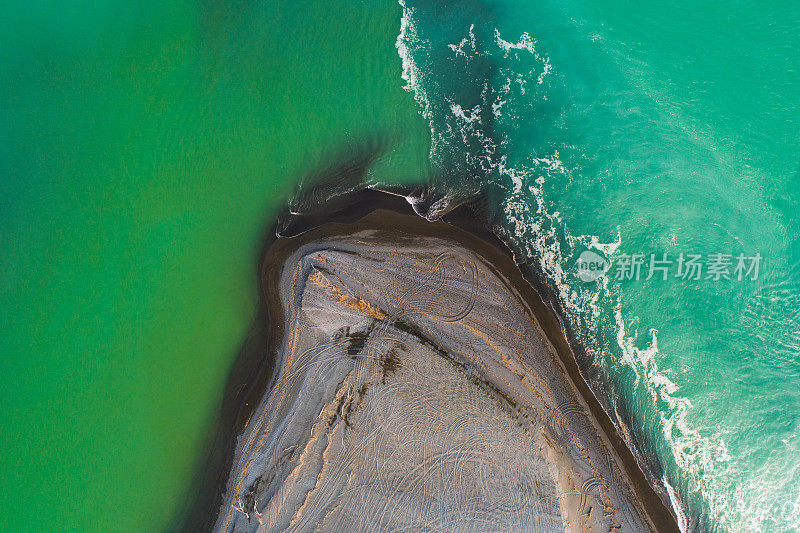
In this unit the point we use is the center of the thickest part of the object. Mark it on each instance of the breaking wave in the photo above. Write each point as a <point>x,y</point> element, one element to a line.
<point>474,148</point>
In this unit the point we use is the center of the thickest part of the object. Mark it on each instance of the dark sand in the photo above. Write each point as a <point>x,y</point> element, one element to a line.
<point>373,210</point>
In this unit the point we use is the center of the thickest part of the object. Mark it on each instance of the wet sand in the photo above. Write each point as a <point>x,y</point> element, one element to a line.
<point>372,211</point>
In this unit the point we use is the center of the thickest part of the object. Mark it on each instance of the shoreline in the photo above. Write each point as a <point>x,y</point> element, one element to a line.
<point>251,373</point>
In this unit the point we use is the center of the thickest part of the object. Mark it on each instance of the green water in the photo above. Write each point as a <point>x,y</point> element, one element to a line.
<point>143,148</point>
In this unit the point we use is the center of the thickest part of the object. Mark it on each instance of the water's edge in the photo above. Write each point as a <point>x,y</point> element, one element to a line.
<point>252,370</point>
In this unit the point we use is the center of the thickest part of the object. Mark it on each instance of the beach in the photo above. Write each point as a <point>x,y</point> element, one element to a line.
<point>621,487</point>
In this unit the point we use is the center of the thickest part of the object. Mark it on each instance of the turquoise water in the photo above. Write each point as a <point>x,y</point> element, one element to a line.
<point>144,149</point>
<point>660,128</point>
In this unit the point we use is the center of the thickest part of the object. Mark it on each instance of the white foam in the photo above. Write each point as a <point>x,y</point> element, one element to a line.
<point>411,73</point>
<point>538,229</point>
<point>458,49</point>
<point>469,116</point>
<point>683,522</point>
<point>544,236</point>
<point>527,43</point>
<point>407,39</point>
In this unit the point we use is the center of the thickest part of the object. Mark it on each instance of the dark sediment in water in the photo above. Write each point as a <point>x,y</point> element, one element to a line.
<point>612,487</point>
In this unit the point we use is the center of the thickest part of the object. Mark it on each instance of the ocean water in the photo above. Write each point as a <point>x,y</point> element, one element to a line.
<point>145,148</point>
<point>622,129</point>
